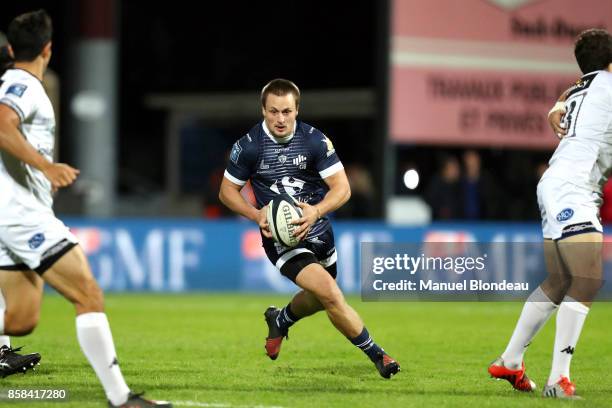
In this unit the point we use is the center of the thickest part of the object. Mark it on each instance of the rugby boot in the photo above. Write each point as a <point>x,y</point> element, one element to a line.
<point>562,389</point>
<point>517,378</point>
<point>387,367</point>
<point>11,362</point>
<point>275,334</point>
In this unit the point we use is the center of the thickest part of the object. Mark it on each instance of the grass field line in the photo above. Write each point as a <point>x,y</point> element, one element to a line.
<point>218,405</point>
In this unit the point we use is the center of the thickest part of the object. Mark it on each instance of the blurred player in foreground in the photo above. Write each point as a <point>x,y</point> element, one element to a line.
<point>10,361</point>
<point>569,196</point>
<point>35,246</point>
<point>282,155</point>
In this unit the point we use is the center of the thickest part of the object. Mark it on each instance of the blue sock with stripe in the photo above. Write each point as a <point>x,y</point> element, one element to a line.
<point>286,318</point>
<point>367,345</point>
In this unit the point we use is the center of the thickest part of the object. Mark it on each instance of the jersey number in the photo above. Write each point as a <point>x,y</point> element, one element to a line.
<point>573,109</point>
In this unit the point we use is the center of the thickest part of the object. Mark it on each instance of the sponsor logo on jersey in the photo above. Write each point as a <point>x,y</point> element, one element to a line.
<point>300,161</point>
<point>36,240</point>
<point>17,89</point>
<point>289,185</point>
<point>235,154</point>
<point>565,214</point>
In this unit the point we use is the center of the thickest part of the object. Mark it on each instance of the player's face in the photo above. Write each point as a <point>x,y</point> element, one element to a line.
<point>280,113</point>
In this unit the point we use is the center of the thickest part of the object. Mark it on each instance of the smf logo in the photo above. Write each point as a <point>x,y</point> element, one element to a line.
<point>36,240</point>
<point>565,215</point>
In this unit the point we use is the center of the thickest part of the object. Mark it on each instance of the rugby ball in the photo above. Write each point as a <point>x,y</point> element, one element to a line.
<point>282,210</point>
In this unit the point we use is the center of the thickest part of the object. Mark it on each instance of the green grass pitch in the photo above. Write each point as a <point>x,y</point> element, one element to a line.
<point>206,350</point>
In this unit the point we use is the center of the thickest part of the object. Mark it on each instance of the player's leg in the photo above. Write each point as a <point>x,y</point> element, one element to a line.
<point>71,276</point>
<point>303,304</point>
<point>581,255</point>
<point>20,299</point>
<point>316,280</point>
<point>538,308</point>
<point>540,304</point>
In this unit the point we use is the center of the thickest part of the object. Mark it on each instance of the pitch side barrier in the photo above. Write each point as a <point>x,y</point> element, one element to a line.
<point>439,262</point>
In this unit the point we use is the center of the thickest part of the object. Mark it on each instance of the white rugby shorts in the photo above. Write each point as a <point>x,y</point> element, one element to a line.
<point>567,209</point>
<point>31,235</point>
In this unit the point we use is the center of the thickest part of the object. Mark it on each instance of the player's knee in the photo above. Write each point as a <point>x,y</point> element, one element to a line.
<point>330,296</point>
<point>20,324</point>
<point>556,286</point>
<point>584,289</point>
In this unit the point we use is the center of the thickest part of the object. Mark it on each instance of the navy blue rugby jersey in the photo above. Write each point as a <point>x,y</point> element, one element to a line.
<point>296,167</point>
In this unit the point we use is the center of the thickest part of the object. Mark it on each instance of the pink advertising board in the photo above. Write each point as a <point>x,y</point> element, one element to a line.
<point>483,72</point>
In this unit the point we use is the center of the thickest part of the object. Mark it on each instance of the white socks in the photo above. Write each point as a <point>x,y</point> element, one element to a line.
<point>96,340</point>
<point>537,310</point>
<point>570,319</point>
<point>4,340</point>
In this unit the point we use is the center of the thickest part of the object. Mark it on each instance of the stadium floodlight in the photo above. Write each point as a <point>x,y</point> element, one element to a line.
<point>411,179</point>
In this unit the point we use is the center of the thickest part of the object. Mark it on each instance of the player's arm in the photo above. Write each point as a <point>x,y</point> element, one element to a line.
<point>13,142</point>
<point>338,194</point>
<point>555,116</point>
<point>230,196</point>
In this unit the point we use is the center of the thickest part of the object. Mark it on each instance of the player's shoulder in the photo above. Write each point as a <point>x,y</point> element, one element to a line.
<point>309,131</point>
<point>598,84</point>
<point>247,146</point>
<point>605,77</point>
<point>315,139</point>
<point>18,82</point>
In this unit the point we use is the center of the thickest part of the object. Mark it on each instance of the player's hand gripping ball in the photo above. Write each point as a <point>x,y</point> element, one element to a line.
<point>282,210</point>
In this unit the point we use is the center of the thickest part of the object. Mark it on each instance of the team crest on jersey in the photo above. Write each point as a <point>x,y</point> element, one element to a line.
<point>17,89</point>
<point>36,240</point>
<point>282,158</point>
<point>330,146</point>
<point>235,154</point>
<point>565,214</point>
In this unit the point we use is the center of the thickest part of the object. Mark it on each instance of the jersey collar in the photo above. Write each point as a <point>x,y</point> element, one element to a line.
<point>281,140</point>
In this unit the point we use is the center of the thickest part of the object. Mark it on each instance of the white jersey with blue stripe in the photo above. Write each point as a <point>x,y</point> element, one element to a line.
<point>584,157</point>
<point>24,93</point>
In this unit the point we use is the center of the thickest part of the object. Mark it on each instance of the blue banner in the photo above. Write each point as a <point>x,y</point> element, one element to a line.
<point>176,255</point>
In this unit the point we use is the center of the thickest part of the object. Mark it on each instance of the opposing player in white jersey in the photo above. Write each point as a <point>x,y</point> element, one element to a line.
<point>35,246</point>
<point>569,196</point>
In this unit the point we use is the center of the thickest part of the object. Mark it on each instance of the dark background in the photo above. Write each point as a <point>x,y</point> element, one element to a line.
<point>203,47</point>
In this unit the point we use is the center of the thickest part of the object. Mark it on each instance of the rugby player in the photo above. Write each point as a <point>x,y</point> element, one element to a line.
<point>35,246</point>
<point>569,196</point>
<point>283,155</point>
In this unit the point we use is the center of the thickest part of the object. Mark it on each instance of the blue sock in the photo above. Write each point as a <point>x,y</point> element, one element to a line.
<point>367,345</point>
<point>286,318</point>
